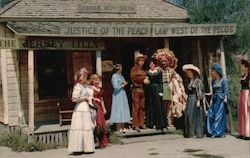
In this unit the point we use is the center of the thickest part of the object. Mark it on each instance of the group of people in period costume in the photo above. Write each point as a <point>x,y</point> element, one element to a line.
<point>158,95</point>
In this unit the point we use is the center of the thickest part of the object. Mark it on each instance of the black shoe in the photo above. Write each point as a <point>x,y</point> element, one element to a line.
<point>240,137</point>
<point>246,138</point>
<point>142,127</point>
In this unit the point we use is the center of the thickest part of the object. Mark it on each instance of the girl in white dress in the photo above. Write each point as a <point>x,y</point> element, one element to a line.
<point>81,137</point>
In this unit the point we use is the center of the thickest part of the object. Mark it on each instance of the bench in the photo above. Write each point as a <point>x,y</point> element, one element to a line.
<point>65,112</point>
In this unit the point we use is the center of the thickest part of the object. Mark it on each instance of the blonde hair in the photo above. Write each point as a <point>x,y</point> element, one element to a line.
<point>82,71</point>
<point>94,77</point>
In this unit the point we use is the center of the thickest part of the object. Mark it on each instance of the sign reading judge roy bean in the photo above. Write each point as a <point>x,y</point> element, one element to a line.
<point>145,30</point>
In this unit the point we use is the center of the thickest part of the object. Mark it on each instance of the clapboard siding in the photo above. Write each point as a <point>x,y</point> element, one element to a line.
<point>15,112</point>
<point>1,96</point>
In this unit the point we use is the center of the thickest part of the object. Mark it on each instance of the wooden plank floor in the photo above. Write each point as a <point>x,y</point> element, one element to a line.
<point>51,128</point>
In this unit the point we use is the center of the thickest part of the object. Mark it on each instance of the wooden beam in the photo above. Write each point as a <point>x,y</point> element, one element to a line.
<point>98,62</point>
<point>222,57</point>
<point>31,89</point>
<point>166,43</point>
<point>4,84</point>
<point>200,59</point>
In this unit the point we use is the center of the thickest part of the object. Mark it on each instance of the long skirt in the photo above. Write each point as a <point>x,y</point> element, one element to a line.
<point>194,118</point>
<point>217,118</point>
<point>155,111</point>
<point>81,137</point>
<point>120,112</point>
<point>101,128</point>
<point>244,113</point>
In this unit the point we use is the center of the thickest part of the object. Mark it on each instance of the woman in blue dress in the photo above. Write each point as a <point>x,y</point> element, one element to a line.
<point>120,113</point>
<point>217,117</point>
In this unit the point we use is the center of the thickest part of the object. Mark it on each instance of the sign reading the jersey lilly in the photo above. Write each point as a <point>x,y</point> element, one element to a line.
<point>57,44</point>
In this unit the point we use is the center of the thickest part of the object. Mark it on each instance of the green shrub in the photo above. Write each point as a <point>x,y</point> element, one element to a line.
<point>19,142</point>
<point>115,139</point>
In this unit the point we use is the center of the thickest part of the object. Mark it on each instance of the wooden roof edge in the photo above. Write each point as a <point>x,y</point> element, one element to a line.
<point>9,6</point>
<point>36,19</point>
<point>177,5</point>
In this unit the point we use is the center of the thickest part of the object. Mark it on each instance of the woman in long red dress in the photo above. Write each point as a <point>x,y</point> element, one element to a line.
<point>101,126</point>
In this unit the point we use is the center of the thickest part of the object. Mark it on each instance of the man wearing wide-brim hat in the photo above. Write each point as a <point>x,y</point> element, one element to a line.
<point>138,78</point>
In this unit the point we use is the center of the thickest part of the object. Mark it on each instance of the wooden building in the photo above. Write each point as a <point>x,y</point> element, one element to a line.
<point>43,43</point>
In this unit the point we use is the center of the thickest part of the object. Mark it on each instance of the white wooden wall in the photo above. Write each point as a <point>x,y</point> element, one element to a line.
<point>10,81</point>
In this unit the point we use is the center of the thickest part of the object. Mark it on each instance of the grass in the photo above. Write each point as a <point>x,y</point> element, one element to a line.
<point>19,142</point>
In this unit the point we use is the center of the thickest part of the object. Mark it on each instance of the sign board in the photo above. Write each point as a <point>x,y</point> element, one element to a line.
<point>8,43</point>
<point>106,30</point>
<point>107,8</point>
<point>145,30</point>
<point>175,30</point>
<point>61,44</point>
<point>107,65</point>
<point>82,59</point>
<point>52,44</point>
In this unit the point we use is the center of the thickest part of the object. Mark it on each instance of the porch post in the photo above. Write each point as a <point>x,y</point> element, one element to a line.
<point>31,89</point>
<point>200,59</point>
<point>166,43</point>
<point>222,57</point>
<point>4,84</point>
<point>98,62</point>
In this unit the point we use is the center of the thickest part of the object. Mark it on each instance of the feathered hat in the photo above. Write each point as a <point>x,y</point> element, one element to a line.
<point>166,55</point>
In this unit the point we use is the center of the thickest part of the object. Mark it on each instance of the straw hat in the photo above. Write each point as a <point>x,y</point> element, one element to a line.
<point>138,55</point>
<point>190,67</point>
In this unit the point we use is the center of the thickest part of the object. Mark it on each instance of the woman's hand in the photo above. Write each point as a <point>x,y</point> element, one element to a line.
<point>225,99</point>
<point>97,100</point>
<point>104,111</point>
<point>161,94</point>
<point>198,103</point>
<point>146,81</point>
<point>124,83</point>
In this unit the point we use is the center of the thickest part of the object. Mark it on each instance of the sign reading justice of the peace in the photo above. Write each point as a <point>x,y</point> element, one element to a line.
<point>145,30</point>
<point>107,8</point>
<point>106,30</point>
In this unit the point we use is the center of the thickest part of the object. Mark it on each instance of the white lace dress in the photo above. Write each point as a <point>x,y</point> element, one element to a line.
<point>81,137</point>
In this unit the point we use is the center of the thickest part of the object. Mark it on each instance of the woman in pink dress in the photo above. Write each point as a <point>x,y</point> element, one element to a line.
<point>244,102</point>
<point>101,126</point>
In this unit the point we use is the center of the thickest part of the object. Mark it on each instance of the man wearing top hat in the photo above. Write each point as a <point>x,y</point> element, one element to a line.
<point>138,78</point>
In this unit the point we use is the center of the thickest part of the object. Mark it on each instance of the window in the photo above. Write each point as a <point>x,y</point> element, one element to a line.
<point>52,74</point>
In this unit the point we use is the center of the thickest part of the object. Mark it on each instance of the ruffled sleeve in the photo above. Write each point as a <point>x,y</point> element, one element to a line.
<point>199,89</point>
<point>225,87</point>
<point>76,92</point>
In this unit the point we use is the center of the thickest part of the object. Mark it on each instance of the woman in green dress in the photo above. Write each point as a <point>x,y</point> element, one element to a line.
<point>155,111</point>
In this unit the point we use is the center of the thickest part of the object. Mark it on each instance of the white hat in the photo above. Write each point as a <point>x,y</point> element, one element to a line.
<point>139,55</point>
<point>190,67</point>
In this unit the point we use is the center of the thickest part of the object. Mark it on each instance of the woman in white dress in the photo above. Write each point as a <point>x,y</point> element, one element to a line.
<point>81,137</point>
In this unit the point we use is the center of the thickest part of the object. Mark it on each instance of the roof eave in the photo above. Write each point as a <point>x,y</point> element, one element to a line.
<point>9,6</point>
<point>39,19</point>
